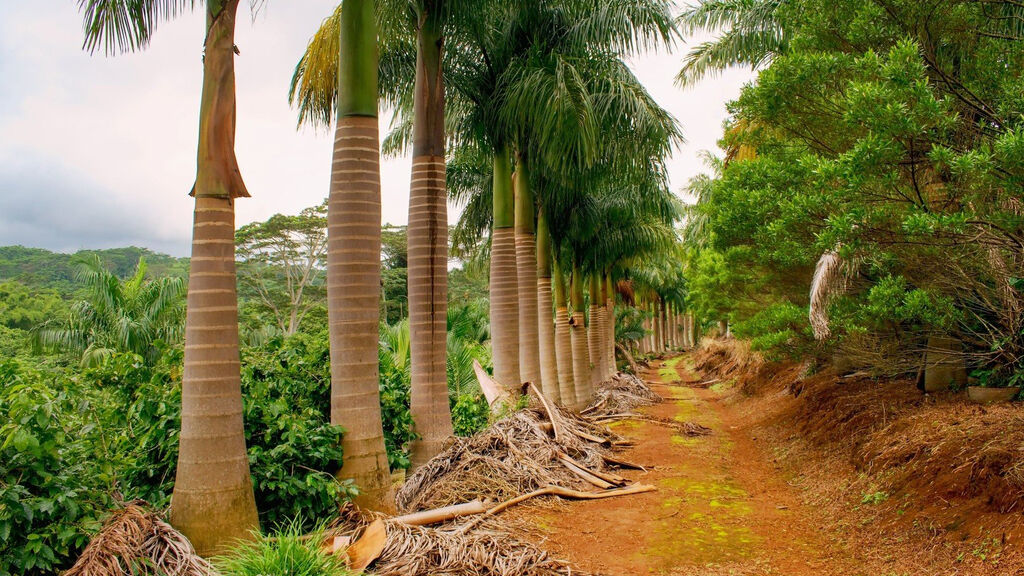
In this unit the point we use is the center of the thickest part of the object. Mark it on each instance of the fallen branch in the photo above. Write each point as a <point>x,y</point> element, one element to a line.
<point>572,495</point>
<point>444,514</point>
<point>367,548</point>
<point>562,492</point>
<point>547,409</point>
<point>591,437</point>
<point>583,473</point>
<point>622,463</point>
<point>609,477</point>
<point>629,357</point>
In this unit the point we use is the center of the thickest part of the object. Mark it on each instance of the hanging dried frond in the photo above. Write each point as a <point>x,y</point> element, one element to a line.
<point>831,278</point>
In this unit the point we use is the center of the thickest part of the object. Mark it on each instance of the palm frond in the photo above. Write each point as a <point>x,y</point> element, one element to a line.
<point>125,25</point>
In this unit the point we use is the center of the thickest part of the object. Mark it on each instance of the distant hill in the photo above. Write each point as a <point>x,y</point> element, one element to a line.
<point>41,268</point>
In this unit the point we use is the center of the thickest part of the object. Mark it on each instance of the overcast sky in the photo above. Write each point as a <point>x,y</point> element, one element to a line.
<point>99,152</point>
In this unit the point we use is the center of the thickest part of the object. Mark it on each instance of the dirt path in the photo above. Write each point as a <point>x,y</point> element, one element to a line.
<point>722,506</point>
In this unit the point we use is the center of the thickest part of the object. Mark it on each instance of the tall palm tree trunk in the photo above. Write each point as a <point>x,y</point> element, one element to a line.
<point>353,259</point>
<point>428,251</point>
<point>526,268</point>
<point>666,313</point>
<point>594,331</point>
<point>545,322</point>
<point>213,496</point>
<point>643,344</point>
<point>659,332</point>
<point>610,325</point>
<point>651,337</point>
<point>563,341</point>
<point>504,283</point>
<point>580,354</point>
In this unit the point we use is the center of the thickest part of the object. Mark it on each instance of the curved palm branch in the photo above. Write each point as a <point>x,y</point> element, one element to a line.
<point>750,33</point>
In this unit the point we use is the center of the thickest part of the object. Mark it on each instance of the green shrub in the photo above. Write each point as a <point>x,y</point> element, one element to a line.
<point>781,330</point>
<point>284,553</point>
<point>52,489</point>
<point>470,414</point>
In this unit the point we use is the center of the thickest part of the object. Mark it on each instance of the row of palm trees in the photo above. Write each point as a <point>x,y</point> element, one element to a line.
<point>533,96</point>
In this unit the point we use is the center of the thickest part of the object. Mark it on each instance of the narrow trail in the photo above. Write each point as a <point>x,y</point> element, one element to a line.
<point>722,506</point>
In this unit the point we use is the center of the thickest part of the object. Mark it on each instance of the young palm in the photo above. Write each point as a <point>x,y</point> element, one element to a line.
<point>117,315</point>
<point>213,495</point>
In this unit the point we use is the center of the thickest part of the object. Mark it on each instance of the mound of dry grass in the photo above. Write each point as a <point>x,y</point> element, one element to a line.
<point>137,542</point>
<point>514,456</point>
<point>620,395</point>
<point>487,550</point>
<point>726,358</point>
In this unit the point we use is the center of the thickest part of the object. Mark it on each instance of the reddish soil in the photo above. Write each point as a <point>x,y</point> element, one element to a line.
<point>754,498</point>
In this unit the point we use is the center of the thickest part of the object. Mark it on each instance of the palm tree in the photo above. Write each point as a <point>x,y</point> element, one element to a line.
<point>581,369</point>
<point>750,34</point>
<point>117,315</point>
<point>563,338</point>
<point>353,258</point>
<point>527,78</point>
<point>213,495</point>
<point>545,318</point>
<point>526,276</point>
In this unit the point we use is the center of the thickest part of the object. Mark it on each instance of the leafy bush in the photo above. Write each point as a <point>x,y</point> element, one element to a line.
<point>781,330</point>
<point>287,552</point>
<point>294,450</point>
<point>470,414</point>
<point>52,489</point>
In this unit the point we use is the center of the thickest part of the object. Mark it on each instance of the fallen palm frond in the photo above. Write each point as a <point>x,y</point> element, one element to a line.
<point>409,550</point>
<point>619,396</point>
<point>136,541</point>
<point>542,445</point>
<point>513,456</point>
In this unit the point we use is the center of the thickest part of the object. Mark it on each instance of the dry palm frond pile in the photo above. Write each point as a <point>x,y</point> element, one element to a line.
<point>406,550</point>
<point>620,396</point>
<point>135,541</point>
<point>513,456</point>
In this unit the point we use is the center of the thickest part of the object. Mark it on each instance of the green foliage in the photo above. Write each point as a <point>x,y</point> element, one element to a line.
<point>281,266</point>
<point>629,324</point>
<point>45,270</point>
<point>892,136</point>
<point>289,551</point>
<point>52,488</point>
<point>132,315</point>
<point>14,342</point>
<point>24,308</point>
<point>781,330</point>
<point>470,414</point>
<point>294,451</point>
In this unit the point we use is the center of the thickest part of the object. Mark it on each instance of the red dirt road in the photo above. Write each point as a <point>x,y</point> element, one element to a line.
<point>722,505</point>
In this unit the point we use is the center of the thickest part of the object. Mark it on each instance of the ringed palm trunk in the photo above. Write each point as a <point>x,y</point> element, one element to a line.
<point>666,313</point>
<point>595,329</point>
<point>563,341</point>
<point>545,322</point>
<point>504,283</point>
<point>213,496</point>
<point>651,337</point>
<point>643,344</point>
<point>659,333</point>
<point>428,252</point>
<point>526,269</point>
<point>610,315</point>
<point>580,354</point>
<point>353,260</point>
